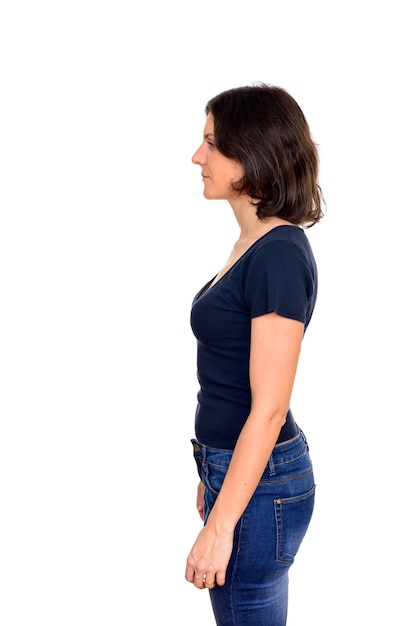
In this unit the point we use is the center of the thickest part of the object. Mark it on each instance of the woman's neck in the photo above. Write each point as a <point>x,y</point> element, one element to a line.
<point>251,226</point>
<point>251,230</point>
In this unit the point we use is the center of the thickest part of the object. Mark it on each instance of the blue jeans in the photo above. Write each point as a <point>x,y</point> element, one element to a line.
<point>267,536</point>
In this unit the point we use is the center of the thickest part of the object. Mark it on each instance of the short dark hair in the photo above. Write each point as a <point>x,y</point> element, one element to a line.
<point>262,127</point>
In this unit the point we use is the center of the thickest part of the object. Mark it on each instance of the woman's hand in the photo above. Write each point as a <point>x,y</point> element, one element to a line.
<point>208,558</point>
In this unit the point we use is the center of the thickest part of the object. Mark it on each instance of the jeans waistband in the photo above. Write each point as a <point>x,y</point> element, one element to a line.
<point>281,451</point>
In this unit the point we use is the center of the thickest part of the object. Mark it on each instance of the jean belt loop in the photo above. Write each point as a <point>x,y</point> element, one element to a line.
<point>272,469</point>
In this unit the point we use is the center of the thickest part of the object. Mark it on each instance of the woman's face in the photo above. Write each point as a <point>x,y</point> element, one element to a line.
<point>218,171</point>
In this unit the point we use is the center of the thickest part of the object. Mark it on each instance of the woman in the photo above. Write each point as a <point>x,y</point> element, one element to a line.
<point>256,491</point>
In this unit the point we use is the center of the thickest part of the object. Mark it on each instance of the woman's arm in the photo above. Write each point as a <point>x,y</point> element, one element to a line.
<point>274,354</point>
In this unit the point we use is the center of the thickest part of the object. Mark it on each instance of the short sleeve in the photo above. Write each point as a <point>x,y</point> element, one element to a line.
<point>279,279</point>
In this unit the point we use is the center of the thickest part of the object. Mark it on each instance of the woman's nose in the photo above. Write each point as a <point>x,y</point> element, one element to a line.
<point>198,157</point>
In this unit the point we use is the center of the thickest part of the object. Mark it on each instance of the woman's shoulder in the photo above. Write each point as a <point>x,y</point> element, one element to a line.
<point>286,246</point>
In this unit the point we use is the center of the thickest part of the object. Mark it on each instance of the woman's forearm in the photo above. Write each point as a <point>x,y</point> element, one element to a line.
<point>247,465</point>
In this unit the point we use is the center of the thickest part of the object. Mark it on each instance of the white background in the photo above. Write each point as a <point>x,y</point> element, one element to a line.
<point>104,239</point>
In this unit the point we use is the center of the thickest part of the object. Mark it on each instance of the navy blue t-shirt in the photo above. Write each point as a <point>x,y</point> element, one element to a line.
<point>277,273</point>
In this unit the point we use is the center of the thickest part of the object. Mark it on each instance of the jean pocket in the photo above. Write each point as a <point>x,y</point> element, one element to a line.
<point>293,516</point>
<point>212,479</point>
